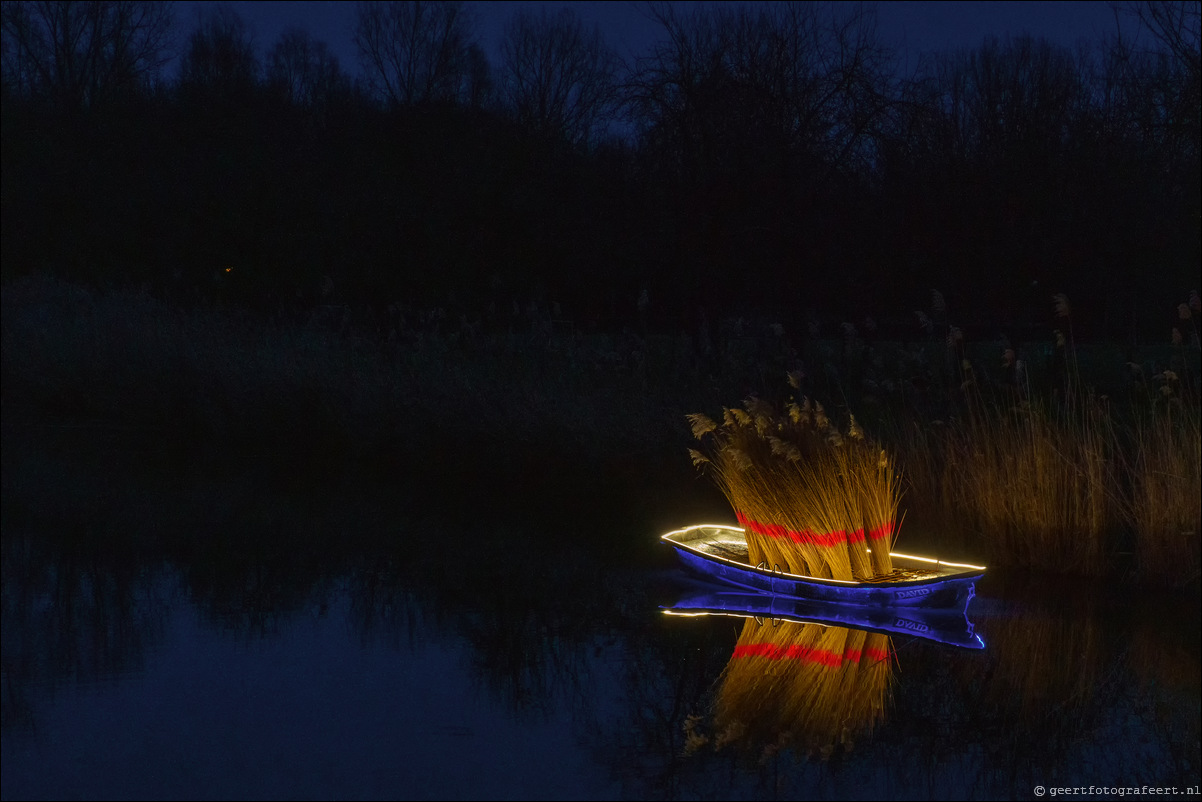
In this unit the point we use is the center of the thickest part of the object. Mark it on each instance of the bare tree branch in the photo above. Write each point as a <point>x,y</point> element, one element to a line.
<point>82,54</point>
<point>786,78</point>
<point>1177,26</point>
<point>220,56</point>
<point>556,77</point>
<point>415,51</point>
<point>304,69</point>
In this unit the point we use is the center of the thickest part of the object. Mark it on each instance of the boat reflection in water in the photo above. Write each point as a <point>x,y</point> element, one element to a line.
<point>809,677</point>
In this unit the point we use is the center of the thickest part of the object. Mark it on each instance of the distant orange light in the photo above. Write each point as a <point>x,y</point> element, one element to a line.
<point>229,269</point>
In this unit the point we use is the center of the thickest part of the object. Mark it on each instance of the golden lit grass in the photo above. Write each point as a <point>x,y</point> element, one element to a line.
<point>1069,484</point>
<point>812,500</point>
<point>806,686</point>
<point>1018,478</point>
<point>1164,505</point>
<point>1062,489</point>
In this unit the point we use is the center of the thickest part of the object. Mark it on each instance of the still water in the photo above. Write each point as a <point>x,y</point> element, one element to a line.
<point>173,629</point>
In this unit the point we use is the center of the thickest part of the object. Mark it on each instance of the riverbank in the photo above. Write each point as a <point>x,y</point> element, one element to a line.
<point>535,416</point>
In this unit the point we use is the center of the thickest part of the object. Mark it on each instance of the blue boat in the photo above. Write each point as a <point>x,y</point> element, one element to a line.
<point>950,627</point>
<point>718,553</point>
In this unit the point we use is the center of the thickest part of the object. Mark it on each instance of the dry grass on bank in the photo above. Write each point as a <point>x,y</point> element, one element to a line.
<point>123,358</point>
<point>1068,486</point>
<point>1041,488</point>
<point>1164,500</point>
<point>1059,477</point>
<point>1072,486</point>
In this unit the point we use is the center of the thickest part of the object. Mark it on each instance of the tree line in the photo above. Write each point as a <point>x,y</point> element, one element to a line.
<point>760,160</point>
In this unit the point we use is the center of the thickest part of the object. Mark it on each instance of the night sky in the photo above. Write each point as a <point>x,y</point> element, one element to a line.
<point>913,27</point>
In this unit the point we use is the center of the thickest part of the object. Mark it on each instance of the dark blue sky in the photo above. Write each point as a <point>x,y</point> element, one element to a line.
<point>914,26</point>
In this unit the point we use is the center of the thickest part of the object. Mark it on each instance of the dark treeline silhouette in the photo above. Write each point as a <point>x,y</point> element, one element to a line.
<point>767,161</point>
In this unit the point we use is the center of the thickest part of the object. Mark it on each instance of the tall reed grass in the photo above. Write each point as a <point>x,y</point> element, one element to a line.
<point>1050,477</point>
<point>1066,481</point>
<point>1163,500</point>
<point>1039,484</point>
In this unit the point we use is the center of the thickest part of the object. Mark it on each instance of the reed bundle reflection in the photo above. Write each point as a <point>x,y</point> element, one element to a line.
<point>812,688</point>
<point>813,500</point>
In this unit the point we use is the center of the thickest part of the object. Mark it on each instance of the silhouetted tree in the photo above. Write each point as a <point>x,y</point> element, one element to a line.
<point>304,70</point>
<point>978,168</point>
<point>777,164</point>
<point>220,56</point>
<point>80,55</point>
<point>1176,27</point>
<point>755,120</point>
<point>416,51</point>
<point>780,77</point>
<point>557,78</point>
<point>479,88</point>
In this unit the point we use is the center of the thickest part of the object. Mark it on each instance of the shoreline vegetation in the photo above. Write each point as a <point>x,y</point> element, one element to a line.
<point>443,274</point>
<point>1063,466</point>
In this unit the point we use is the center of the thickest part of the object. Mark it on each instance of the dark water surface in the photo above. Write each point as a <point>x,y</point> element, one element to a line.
<point>177,626</point>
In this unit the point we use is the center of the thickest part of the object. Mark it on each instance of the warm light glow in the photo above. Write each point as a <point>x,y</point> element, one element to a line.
<point>671,536</point>
<point>746,566</point>
<point>695,527</point>
<point>915,557</point>
<point>939,562</point>
<point>962,565</point>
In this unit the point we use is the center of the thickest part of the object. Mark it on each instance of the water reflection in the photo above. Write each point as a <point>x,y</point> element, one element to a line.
<point>496,639</point>
<point>71,614</point>
<point>798,680</point>
<point>808,687</point>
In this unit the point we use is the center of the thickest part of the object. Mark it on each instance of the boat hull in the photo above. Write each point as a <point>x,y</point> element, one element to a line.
<point>952,588</point>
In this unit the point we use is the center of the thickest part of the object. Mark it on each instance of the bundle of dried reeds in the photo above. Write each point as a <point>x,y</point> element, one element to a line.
<point>813,501</point>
